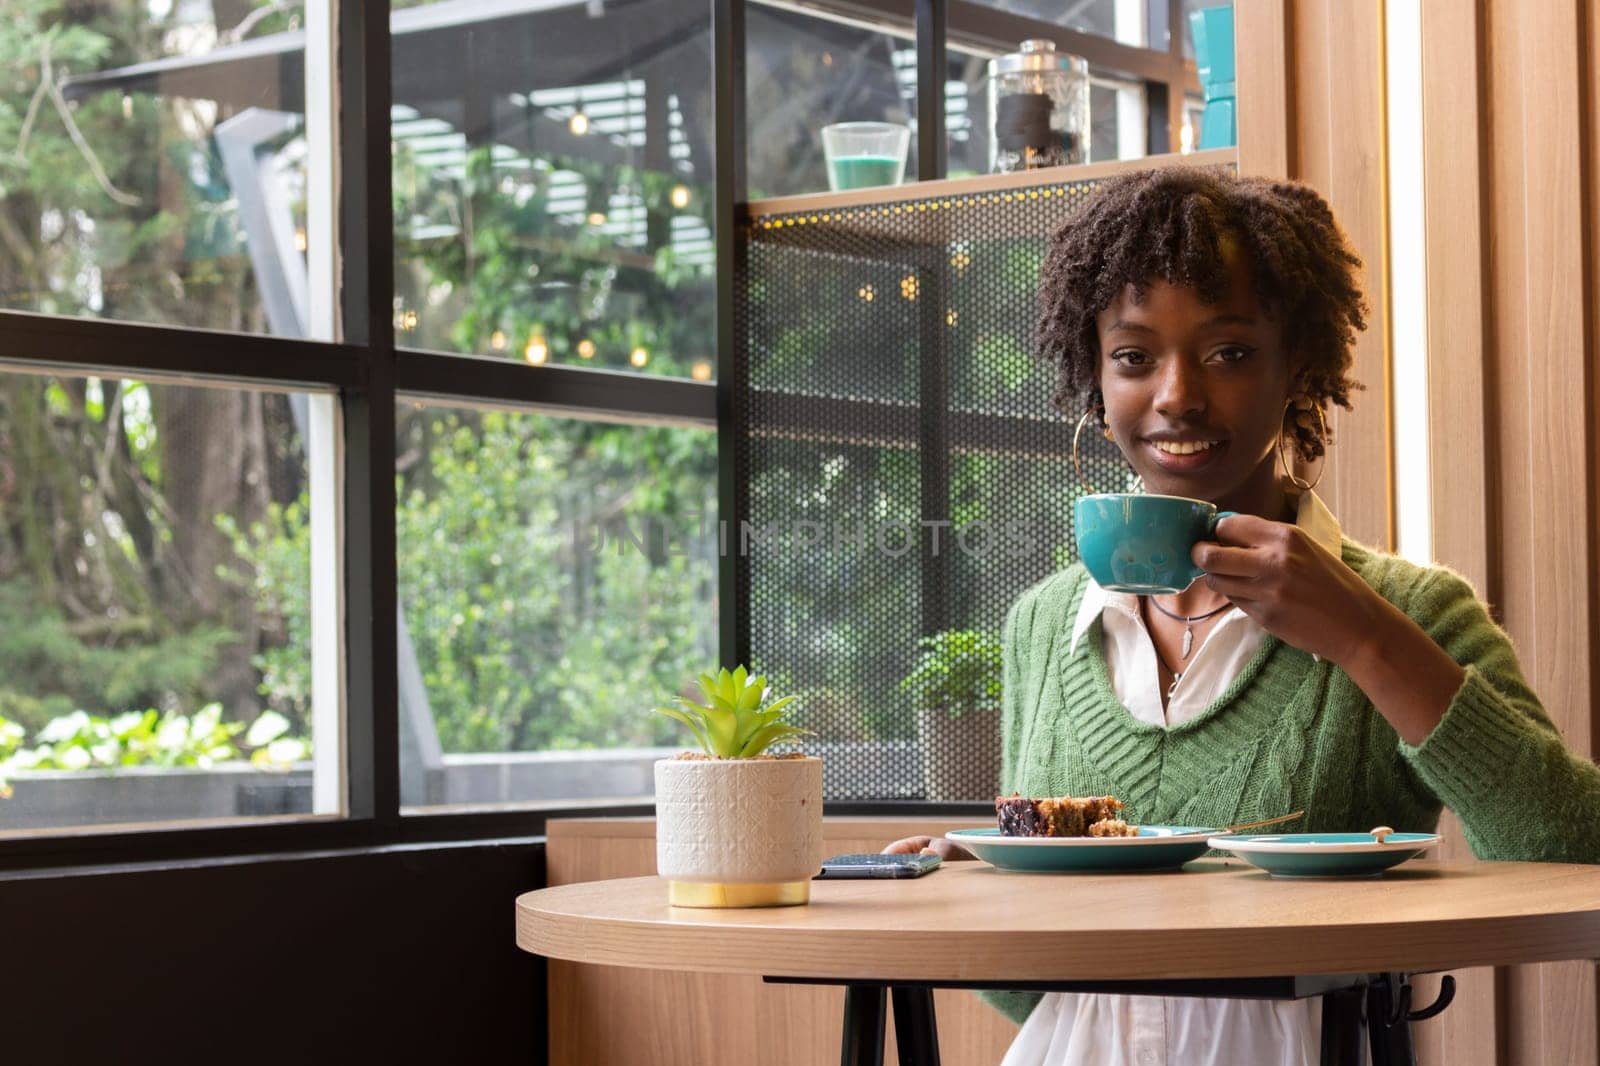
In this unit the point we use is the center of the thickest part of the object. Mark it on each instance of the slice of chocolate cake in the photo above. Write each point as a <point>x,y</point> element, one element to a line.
<point>1062,816</point>
<point>1019,817</point>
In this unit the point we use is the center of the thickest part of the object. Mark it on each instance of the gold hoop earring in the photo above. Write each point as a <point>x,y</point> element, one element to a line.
<point>1288,468</point>
<point>1077,465</point>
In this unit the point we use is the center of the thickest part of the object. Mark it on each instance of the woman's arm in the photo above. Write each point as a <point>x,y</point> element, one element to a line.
<point>1495,757</point>
<point>1442,673</point>
<point>933,845</point>
<point>1409,678</point>
<point>1307,597</point>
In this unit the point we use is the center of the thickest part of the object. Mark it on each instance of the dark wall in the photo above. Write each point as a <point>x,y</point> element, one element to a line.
<point>402,954</point>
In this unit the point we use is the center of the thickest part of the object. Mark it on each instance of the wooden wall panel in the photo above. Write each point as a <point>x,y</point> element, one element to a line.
<point>1539,358</point>
<point>1263,36</point>
<point>1542,368</point>
<point>1509,110</point>
<point>1348,168</point>
<point>1311,108</point>
<point>1460,460</point>
<point>1461,463</point>
<point>606,1014</point>
<point>1589,163</point>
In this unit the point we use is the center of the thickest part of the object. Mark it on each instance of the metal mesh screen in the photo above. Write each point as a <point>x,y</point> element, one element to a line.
<point>893,402</point>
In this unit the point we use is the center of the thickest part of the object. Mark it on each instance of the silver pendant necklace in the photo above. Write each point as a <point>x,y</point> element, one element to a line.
<point>1188,625</point>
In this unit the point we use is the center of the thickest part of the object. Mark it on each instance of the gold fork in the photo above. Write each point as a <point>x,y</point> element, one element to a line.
<point>1263,822</point>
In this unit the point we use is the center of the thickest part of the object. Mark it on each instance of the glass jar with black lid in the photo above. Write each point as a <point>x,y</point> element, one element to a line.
<point>1038,108</point>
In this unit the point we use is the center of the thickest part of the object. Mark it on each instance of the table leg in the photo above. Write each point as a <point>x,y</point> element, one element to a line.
<point>1344,1026</point>
<point>863,1026</point>
<point>916,1033</point>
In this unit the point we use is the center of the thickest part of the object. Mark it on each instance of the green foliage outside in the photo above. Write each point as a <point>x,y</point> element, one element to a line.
<point>958,669</point>
<point>521,274</point>
<point>80,741</point>
<point>545,608</point>
<point>154,542</point>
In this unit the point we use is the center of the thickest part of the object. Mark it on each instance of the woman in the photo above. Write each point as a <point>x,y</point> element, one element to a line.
<point>1206,322</point>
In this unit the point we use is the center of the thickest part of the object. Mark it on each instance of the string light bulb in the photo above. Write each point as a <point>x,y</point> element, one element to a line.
<point>639,356</point>
<point>537,350</point>
<point>578,123</point>
<point>680,196</point>
<point>597,218</point>
<point>586,349</point>
<point>701,371</point>
<point>497,340</point>
<point>908,286</point>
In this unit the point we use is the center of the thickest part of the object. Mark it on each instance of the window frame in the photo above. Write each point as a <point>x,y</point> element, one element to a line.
<point>369,375</point>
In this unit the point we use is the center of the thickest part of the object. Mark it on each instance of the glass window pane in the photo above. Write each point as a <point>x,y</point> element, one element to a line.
<point>966,114</point>
<point>553,183</point>
<point>1119,120</point>
<point>805,72</point>
<point>1194,112</point>
<point>557,580</point>
<point>1189,7</point>
<point>156,604</point>
<point>1121,20</point>
<point>155,164</point>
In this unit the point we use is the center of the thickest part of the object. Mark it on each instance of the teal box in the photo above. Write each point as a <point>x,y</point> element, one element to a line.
<point>1212,28</point>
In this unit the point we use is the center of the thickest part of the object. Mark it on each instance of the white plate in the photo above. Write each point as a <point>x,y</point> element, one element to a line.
<point>1326,854</point>
<point>1298,844</point>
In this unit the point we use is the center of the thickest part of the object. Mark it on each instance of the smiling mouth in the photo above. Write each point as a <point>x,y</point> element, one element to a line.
<point>1183,447</point>
<point>1186,456</point>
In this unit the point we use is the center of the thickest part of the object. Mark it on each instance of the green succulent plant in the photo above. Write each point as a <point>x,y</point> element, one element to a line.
<point>733,724</point>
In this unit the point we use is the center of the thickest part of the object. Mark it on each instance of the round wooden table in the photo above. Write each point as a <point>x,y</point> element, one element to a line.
<point>1216,928</point>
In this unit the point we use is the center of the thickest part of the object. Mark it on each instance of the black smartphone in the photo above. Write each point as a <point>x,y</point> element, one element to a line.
<point>877,865</point>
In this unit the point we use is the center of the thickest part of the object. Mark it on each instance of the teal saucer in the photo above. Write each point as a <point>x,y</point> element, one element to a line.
<point>1326,854</point>
<point>1157,847</point>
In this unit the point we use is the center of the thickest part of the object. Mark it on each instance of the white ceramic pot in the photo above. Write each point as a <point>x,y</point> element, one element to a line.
<point>738,832</point>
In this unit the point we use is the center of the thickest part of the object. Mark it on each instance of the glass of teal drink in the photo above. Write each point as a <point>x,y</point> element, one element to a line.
<point>863,154</point>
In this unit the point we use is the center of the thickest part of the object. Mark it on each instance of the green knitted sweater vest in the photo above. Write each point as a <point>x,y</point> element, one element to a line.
<point>1293,733</point>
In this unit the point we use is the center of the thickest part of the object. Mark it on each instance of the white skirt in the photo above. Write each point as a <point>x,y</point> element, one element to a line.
<point>1072,1029</point>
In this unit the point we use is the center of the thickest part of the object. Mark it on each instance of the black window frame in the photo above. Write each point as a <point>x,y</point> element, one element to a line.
<point>369,374</point>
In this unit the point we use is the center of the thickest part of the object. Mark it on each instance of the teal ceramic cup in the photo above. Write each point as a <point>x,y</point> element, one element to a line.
<point>1140,544</point>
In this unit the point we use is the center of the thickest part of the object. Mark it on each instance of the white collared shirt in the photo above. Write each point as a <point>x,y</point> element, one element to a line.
<point>1071,1029</point>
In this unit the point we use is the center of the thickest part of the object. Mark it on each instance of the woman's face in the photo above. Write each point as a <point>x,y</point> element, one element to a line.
<point>1195,392</point>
